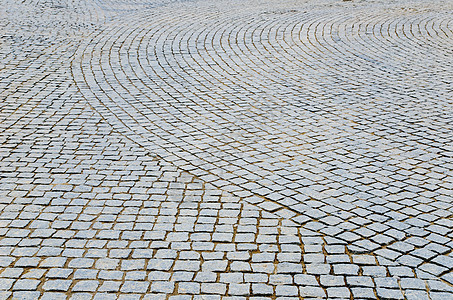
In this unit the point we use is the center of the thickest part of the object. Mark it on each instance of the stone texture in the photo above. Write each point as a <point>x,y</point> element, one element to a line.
<point>168,149</point>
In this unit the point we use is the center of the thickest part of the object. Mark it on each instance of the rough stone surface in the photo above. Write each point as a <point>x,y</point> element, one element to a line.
<point>195,149</point>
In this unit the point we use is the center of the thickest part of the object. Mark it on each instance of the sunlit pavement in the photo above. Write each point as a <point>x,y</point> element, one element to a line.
<point>266,149</point>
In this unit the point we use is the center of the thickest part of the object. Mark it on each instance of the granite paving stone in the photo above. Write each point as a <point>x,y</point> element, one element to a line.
<point>211,149</point>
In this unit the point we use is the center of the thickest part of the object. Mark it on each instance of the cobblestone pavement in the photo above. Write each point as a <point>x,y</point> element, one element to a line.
<point>268,149</point>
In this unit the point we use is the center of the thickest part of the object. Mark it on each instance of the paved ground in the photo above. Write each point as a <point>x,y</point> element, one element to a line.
<point>266,149</point>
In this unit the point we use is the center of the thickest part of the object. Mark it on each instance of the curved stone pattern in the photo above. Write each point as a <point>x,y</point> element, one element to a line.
<point>338,113</point>
<point>177,149</point>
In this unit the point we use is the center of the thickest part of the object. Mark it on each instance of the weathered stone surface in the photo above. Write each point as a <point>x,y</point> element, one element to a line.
<point>184,149</point>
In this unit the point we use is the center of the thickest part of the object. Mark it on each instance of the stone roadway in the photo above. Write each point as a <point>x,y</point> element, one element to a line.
<point>179,149</point>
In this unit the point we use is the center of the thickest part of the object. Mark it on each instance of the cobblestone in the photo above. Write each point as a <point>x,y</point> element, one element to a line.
<point>208,149</point>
